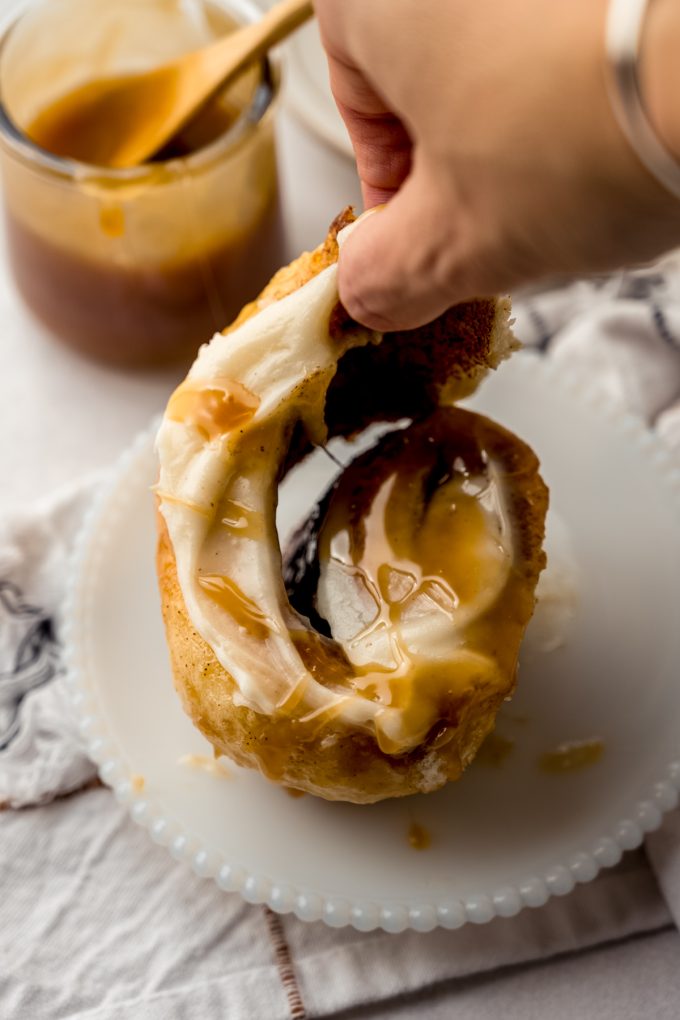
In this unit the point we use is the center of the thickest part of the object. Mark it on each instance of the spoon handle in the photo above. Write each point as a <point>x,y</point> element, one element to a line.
<point>282,19</point>
<point>253,41</point>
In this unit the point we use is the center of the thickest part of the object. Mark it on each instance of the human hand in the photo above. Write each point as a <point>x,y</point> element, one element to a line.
<point>487,129</point>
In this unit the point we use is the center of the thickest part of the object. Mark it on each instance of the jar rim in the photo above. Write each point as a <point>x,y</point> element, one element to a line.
<point>258,110</point>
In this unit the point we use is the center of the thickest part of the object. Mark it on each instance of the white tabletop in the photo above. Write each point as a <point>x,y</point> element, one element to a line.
<point>61,415</point>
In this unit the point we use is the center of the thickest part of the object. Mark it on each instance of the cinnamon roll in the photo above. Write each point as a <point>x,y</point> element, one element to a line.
<point>375,668</point>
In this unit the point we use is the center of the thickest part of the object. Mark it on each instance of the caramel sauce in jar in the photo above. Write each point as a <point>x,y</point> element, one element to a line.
<point>139,267</point>
<point>141,316</point>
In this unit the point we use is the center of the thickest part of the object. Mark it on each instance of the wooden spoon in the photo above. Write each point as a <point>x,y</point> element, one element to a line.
<point>121,122</point>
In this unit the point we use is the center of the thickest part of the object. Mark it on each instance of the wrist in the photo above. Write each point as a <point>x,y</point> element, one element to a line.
<point>659,71</point>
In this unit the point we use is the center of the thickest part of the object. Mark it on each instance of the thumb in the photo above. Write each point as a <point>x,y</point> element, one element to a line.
<point>397,269</point>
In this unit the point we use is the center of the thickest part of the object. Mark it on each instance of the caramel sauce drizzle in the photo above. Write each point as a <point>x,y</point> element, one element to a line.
<point>401,547</point>
<point>227,594</point>
<point>214,410</point>
<point>241,520</point>
<point>166,497</point>
<point>322,656</point>
<point>405,547</point>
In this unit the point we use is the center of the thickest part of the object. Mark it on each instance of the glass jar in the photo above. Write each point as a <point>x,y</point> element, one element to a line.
<point>137,267</point>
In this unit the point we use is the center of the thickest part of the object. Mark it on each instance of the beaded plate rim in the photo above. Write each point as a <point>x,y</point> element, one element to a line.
<point>645,816</point>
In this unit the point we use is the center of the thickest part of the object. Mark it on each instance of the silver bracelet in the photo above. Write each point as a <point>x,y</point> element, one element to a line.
<point>624,29</point>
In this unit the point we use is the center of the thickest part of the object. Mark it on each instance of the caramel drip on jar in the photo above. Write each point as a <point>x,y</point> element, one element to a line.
<point>214,410</point>
<point>112,221</point>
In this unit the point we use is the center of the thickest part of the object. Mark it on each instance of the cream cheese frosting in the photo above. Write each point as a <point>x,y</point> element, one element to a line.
<point>221,444</point>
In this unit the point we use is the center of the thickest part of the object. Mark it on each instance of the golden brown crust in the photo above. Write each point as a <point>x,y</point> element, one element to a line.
<point>403,376</point>
<point>299,272</point>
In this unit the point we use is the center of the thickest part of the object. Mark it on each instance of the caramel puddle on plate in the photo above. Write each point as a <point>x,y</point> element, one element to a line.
<point>494,750</point>
<point>137,783</point>
<point>215,766</point>
<point>571,756</point>
<point>418,837</point>
<point>516,718</point>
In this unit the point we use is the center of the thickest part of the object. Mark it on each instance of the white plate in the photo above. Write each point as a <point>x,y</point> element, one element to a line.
<point>307,92</point>
<point>501,837</point>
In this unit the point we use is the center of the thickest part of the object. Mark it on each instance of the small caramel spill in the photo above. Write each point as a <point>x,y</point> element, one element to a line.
<point>494,750</point>
<point>295,794</point>
<point>112,221</point>
<point>418,837</point>
<point>137,783</point>
<point>520,718</point>
<point>215,766</point>
<point>214,411</point>
<point>571,756</point>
